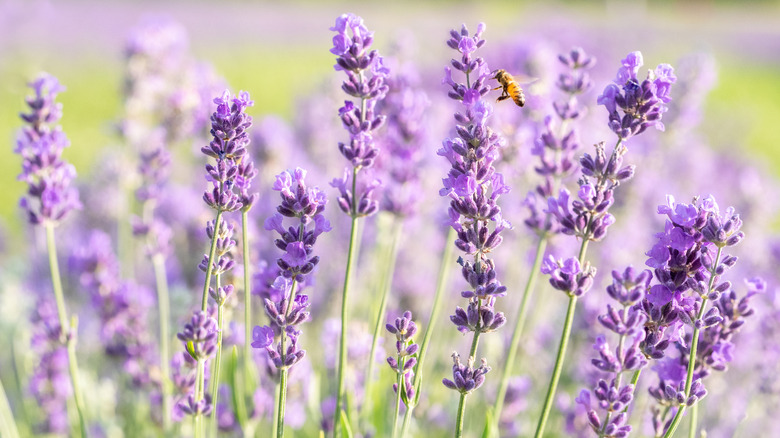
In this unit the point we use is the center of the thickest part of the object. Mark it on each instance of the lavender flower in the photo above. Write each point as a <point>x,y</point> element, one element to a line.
<point>404,330</point>
<point>568,276</point>
<point>366,77</point>
<point>466,378</point>
<point>642,104</point>
<point>229,124</point>
<point>612,396</point>
<point>200,336</point>
<point>50,196</point>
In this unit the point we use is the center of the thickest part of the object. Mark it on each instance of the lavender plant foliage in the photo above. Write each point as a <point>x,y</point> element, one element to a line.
<point>366,81</point>
<point>40,143</point>
<point>474,187</point>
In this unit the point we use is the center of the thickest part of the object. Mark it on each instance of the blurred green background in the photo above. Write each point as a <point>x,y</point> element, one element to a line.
<point>278,51</point>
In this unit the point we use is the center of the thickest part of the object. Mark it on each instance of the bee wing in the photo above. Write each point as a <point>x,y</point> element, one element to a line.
<point>525,79</point>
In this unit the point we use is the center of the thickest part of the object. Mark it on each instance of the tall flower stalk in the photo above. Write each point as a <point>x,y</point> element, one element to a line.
<point>474,187</point>
<point>556,161</point>
<point>228,147</point>
<point>365,81</point>
<point>305,205</point>
<point>403,363</point>
<point>633,106</point>
<point>49,199</point>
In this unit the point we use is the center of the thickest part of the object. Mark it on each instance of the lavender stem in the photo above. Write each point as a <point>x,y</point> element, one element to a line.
<point>7,425</point>
<point>163,306</point>
<point>386,284</point>
<point>462,403</point>
<point>694,420</point>
<point>248,381</point>
<point>518,332</point>
<point>210,266</point>
<point>218,359</point>
<point>67,336</point>
<point>441,286</point>
<point>282,390</point>
<point>353,245</point>
<point>694,348</point>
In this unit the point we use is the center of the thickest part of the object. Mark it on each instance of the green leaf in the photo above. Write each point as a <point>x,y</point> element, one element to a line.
<point>236,387</point>
<point>346,430</point>
<point>488,432</point>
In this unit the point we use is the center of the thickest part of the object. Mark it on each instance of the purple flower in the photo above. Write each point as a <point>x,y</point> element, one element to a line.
<point>262,337</point>
<point>465,378</point>
<point>49,194</point>
<point>366,81</point>
<point>403,363</point>
<point>200,336</point>
<point>642,103</point>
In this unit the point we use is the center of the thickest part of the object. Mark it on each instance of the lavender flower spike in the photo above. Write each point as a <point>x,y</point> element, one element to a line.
<point>365,82</point>
<point>50,196</point>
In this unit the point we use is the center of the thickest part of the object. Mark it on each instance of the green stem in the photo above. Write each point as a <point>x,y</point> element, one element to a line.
<point>441,285</point>
<point>282,390</point>
<point>694,419</point>
<point>197,419</point>
<point>277,396</point>
<point>353,244</point>
<point>158,262</point>
<point>518,332</point>
<point>386,284</point>
<point>399,383</point>
<point>67,332</point>
<point>561,350</point>
<point>7,423</point>
<point>210,267</point>
<point>694,350</point>
<point>248,389</point>
<point>217,361</point>
<point>634,381</point>
<point>282,400</point>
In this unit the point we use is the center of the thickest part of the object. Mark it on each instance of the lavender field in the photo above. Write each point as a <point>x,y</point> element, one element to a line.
<point>417,219</point>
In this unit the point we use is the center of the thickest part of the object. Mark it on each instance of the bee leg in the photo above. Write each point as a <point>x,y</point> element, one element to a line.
<point>498,88</point>
<point>502,97</point>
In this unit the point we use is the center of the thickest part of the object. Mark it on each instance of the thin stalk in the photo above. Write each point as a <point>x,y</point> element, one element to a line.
<point>694,350</point>
<point>462,403</point>
<point>441,285</point>
<point>565,335</point>
<point>277,396</point>
<point>7,425</point>
<point>210,267</point>
<point>353,244</point>
<point>399,383</point>
<point>634,381</point>
<point>248,384</point>
<point>386,284</point>
<point>282,390</point>
<point>694,420</point>
<point>67,332</point>
<point>197,419</point>
<point>282,400</point>
<point>163,306</point>
<point>514,345</point>
<point>218,360</point>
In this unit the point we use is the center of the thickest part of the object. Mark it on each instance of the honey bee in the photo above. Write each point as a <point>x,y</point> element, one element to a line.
<point>510,88</point>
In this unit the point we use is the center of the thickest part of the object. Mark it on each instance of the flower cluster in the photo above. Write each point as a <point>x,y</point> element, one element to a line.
<point>642,104</point>
<point>404,330</point>
<point>474,187</point>
<point>688,262</point>
<point>613,397</point>
<point>154,170</point>
<point>406,134</point>
<point>558,143</point>
<point>568,276</point>
<point>49,382</point>
<point>49,193</point>
<point>223,259</point>
<point>466,378</point>
<point>366,81</point>
<point>229,124</point>
<point>121,306</point>
<point>305,204</point>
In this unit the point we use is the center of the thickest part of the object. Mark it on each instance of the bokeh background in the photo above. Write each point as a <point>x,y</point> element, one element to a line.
<point>279,52</point>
